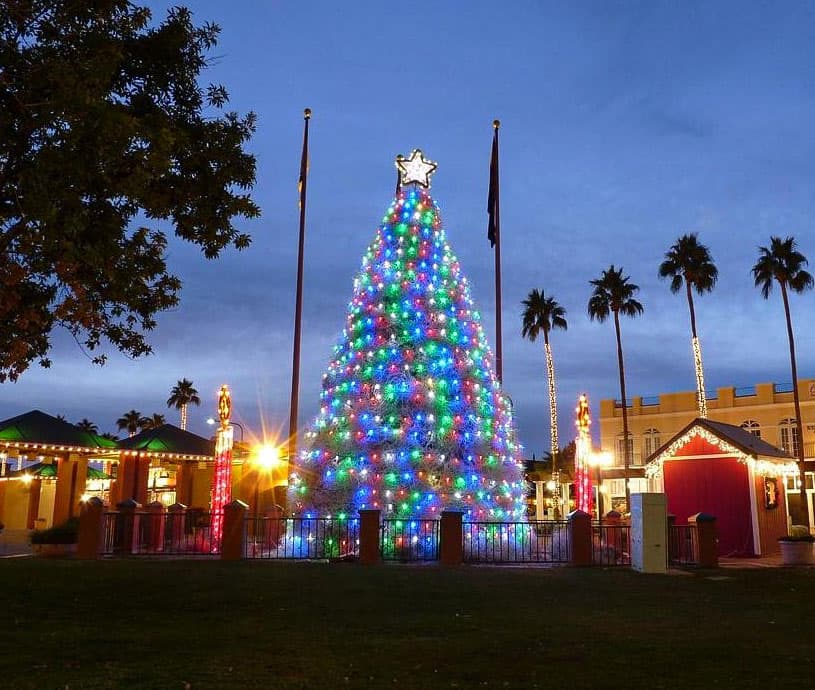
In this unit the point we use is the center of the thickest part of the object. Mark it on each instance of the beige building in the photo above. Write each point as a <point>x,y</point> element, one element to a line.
<point>765,409</point>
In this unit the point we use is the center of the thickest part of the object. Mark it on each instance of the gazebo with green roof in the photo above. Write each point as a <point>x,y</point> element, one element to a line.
<point>50,440</point>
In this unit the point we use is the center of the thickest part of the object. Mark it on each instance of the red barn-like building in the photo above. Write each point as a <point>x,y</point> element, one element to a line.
<point>721,469</point>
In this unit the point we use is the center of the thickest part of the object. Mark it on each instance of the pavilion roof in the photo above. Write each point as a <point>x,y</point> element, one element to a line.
<point>38,431</point>
<point>169,441</point>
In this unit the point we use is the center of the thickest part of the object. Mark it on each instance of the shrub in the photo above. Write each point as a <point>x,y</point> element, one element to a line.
<point>66,533</point>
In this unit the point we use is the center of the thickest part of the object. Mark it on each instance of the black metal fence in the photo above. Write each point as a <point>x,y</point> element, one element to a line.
<point>545,541</point>
<point>152,533</point>
<point>611,544</point>
<point>300,538</point>
<point>409,540</point>
<point>683,548</point>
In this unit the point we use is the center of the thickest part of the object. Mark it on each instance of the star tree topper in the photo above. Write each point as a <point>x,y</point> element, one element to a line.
<point>416,168</point>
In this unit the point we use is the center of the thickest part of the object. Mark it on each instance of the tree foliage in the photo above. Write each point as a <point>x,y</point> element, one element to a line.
<point>107,140</point>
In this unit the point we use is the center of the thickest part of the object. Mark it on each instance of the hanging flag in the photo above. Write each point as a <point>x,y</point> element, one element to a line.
<point>301,181</point>
<point>493,226</point>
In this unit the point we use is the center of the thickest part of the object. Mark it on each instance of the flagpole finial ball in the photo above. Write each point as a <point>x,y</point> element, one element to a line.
<point>307,113</point>
<point>496,124</point>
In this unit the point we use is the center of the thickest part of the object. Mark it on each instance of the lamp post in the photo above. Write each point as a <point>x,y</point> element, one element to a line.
<point>211,421</point>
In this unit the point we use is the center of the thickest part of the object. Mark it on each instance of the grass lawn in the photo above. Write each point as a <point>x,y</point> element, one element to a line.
<point>207,624</point>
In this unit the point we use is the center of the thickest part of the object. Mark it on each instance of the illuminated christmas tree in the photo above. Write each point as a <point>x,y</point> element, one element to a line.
<point>412,418</point>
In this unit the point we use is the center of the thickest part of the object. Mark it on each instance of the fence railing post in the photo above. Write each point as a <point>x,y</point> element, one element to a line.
<point>232,541</point>
<point>580,538</point>
<point>369,551</point>
<point>451,538</point>
<point>127,526</point>
<point>153,526</point>
<point>91,525</point>
<point>706,542</point>
<point>176,517</point>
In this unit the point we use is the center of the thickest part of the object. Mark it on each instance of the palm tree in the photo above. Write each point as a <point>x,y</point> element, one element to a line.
<point>153,422</point>
<point>783,263</point>
<point>542,314</point>
<point>109,436</point>
<point>131,422</point>
<point>690,263</point>
<point>614,294</point>
<point>87,425</point>
<point>181,395</point>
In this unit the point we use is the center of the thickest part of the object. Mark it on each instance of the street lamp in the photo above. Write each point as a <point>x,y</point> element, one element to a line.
<point>599,460</point>
<point>211,421</point>
<point>267,457</point>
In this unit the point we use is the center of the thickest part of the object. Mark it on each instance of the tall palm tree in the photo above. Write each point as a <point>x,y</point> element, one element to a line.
<point>181,395</point>
<point>614,294</point>
<point>130,421</point>
<point>87,425</point>
<point>690,263</point>
<point>542,314</point>
<point>153,422</point>
<point>783,263</point>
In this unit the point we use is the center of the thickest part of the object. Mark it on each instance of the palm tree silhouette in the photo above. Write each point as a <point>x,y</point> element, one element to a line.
<point>153,422</point>
<point>181,395</point>
<point>131,422</point>
<point>783,263</point>
<point>87,425</point>
<point>541,314</point>
<point>614,294</point>
<point>690,263</point>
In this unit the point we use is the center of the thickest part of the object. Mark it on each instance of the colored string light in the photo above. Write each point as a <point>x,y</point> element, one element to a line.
<point>412,419</point>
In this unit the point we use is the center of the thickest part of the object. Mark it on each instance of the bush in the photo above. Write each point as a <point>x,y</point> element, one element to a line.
<point>66,533</point>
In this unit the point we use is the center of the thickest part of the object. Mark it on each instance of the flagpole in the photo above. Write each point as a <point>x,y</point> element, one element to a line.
<point>499,347</point>
<point>298,308</point>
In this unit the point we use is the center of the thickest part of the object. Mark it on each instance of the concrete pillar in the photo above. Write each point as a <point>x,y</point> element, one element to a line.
<point>66,471</point>
<point>183,482</point>
<point>451,538</point>
<point>34,490</point>
<point>706,541</point>
<point>580,538</point>
<point>232,546</point>
<point>369,552</point>
<point>127,527</point>
<point>91,529</point>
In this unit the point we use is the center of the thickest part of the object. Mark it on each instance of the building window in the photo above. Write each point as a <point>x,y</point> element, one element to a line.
<point>650,442</point>
<point>788,430</point>
<point>752,426</point>
<point>620,459</point>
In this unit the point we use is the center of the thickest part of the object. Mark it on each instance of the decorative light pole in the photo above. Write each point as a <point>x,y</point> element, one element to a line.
<point>583,491</point>
<point>222,481</point>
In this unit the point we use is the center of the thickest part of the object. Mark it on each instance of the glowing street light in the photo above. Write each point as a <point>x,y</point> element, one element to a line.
<point>266,459</point>
<point>598,460</point>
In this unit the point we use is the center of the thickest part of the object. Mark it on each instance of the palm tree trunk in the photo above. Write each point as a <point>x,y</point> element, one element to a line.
<point>550,378</point>
<point>626,454</point>
<point>701,400</point>
<point>555,444</point>
<point>797,402</point>
<point>184,417</point>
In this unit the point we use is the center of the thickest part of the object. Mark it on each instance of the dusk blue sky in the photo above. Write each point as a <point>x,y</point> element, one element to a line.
<point>624,125</point>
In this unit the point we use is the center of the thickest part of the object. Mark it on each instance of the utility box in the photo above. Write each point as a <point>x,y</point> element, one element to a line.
<point>649,538</point>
